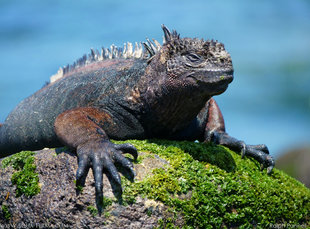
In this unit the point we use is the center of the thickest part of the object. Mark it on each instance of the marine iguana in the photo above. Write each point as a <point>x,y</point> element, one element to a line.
<point>156,92</point>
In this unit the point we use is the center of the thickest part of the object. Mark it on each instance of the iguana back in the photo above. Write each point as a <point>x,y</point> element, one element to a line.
<point>102,84</point>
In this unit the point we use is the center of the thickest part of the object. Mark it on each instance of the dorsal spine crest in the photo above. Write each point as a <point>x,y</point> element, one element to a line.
<point>114,52</point>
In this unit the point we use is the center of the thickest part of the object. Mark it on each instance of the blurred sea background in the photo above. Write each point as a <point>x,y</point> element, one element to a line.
<point>269,41</point>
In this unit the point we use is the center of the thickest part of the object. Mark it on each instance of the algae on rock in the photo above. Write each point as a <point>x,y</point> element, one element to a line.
<point>178,185</point>
<point>220,188</point>
<point>24,177</point>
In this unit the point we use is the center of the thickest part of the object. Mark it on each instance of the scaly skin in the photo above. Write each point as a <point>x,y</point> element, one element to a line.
<point>168,95</point>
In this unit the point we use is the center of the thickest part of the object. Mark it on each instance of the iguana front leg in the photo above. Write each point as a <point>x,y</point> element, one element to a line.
<point>215,132</point>
<point>81,129</point>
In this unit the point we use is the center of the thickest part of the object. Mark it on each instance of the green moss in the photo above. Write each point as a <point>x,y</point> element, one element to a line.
<point>225,190</point>
<point>6,213</point>
<point>142,157</point>
<point>105,203</point>
<point>93,210</point>
<point>166,223</point>
<point>107,214</point>
<point>149,212</point>
<point>25,177</point>
<point>79,188</point>
<point>17,161</point>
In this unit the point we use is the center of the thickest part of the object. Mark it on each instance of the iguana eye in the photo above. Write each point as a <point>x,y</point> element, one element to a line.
<point>193,57</point>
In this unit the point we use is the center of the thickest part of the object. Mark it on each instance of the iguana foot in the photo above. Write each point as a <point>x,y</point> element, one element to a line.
<point>259,152</point>
<point>102,156</point>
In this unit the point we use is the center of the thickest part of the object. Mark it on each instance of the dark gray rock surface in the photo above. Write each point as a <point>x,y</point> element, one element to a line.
<point>59,206</point>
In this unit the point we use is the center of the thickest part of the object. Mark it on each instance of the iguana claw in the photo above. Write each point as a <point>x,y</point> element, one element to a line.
<point>261,154</point>
<point>243,150</point>
<point>269,164</point>
<point>102,155</point>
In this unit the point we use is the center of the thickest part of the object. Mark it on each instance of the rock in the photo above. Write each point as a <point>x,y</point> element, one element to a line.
<point>58,202</point>
<point>176,184</point>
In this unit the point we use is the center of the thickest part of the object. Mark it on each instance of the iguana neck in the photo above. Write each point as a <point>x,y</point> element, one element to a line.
<point>176,111</point>
<point>169,109</point>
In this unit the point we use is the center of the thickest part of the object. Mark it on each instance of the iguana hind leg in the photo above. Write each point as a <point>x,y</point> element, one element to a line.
<point>81,129</point>
<point>215,132</point>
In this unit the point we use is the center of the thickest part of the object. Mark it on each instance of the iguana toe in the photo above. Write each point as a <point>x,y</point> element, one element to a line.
<point>125,163</point>
<point>261,154</point>
<point>128,148</point>
<point>82,171</point>
<point>270,163</point>
<point>261,147</point>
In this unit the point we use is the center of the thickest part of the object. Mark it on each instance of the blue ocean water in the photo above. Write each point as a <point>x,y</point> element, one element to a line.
<point>269,41</point>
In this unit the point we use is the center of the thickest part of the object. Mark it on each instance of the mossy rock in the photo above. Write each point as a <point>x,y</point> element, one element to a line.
<point>178,185</point>
<point>24,177</point>
<point>211,186</point>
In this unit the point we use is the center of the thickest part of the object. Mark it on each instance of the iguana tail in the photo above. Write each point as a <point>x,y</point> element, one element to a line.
<point>15,138</point>
<point>10,140</point>
<point>6,148</point>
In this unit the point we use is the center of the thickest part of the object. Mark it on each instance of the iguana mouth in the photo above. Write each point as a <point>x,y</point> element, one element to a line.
<point>212,82</point>
<point>212,77</point>
<point>227,77</point>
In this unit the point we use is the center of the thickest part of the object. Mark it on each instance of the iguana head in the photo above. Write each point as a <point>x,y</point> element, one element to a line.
<point>192,63</point>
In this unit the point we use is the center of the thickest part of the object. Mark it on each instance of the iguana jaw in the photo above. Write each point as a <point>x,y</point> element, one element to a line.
<point>212,82</point>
